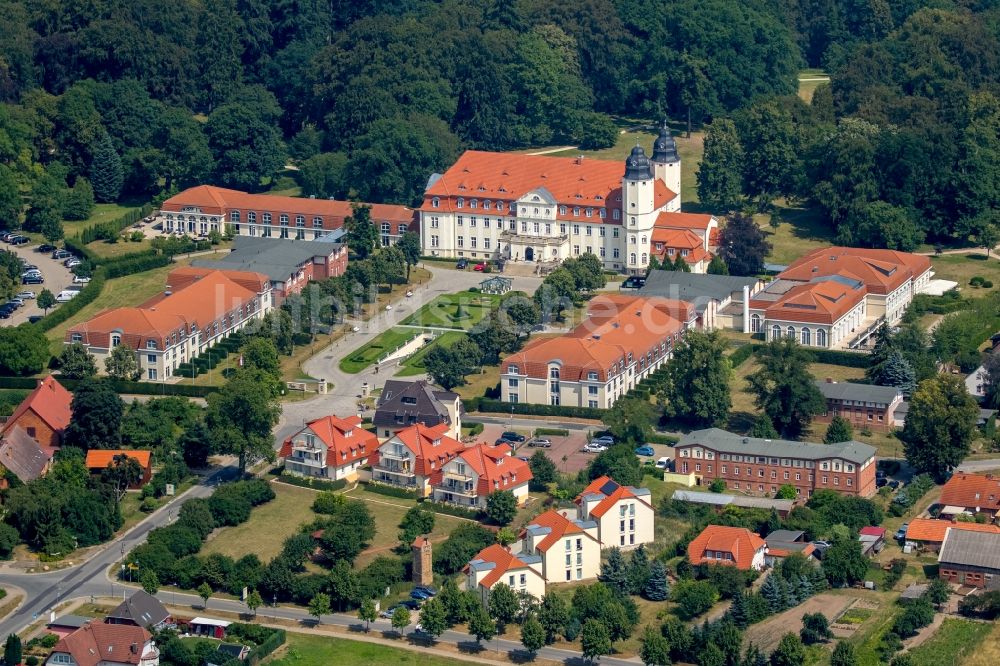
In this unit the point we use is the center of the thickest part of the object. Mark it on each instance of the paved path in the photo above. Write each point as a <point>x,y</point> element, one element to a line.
<point>979,465</point>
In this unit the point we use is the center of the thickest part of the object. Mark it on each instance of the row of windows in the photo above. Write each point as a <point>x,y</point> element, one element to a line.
<point>460,202</point>
<point>300,220</point>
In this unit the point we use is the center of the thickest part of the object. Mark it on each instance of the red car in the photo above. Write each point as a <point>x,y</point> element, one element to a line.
<point>479,267</point>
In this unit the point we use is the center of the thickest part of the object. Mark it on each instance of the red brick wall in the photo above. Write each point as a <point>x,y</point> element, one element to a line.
<point>956,574</point>
<point>39,429</point>
<point>858,419</point>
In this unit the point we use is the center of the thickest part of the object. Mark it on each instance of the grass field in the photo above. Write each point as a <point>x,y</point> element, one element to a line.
<point>461,311</point>
<point>414,365</point>
<point>269,525</point>
<point>952,644</point>
<point>303,650</point>
<point>988,653</point>
<point>367,354</point>
<point>807,87</point>
<point>476,385</point>
<point>963,267</point>
<point>110,250</point>
<point>799,231</point>
<point>103,212</point>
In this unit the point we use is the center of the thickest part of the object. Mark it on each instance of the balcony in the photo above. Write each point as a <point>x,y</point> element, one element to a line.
<point>464,489</point>
<point>389,454</point>
<point>457,478</point>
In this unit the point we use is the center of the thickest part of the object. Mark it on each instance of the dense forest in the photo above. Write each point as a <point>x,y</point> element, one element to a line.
<point>104,99</point>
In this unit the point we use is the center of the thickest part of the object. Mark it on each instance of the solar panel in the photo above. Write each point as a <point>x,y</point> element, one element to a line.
<point>609,487</point>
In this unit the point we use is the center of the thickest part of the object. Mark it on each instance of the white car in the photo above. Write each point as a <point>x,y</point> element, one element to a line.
<point>26,295</point>
<point>594,447</point>
<point>663,463</point>
<point>388,307</point>
<point>80,279</point>
<point>66,295</point>
<point>70,263</point>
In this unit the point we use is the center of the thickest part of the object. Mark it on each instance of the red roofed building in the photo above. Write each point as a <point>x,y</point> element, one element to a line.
<point>542,208</point>
<point>199,308</point>
<point>44,414</point>
<point>569,548</point>
<point>688,236</point>
<point>930,532</point>
<point>415,457</point>
<point>96,644</point>
<point>624,515</point>
<point>624,339</point>
<point>205,208</point>
<point>329,448</point>
<point>99,459</point>
<point>972,494</point>
<point>736,546</point>
<point>496,564</point>
<point>479,470</point>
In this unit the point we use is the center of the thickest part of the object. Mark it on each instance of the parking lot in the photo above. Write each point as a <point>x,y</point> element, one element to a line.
<point>565,451</point>
<point>57,278</point>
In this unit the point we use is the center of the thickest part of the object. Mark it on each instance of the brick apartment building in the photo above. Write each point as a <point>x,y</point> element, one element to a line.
<point>760,466</point>
<point>864,405</point>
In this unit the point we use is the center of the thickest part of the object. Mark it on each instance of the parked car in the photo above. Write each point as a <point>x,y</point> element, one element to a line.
<point>881,482</point>
<point>5,313</point>
<point>32,279</point>
<point>387,613</point>
<point>7,235</point>
<point>606,440</point>
<point>28,267</point>
<point>81,279</point>
<point>16,301</point>
<point>426,589</point>
<point>524,458</point>
<point>20,240</point>
<point>66,295</point>
<point>901,532</point>
<point>417,593</point>
<point>540,442</point>
<point>61,254</point>
<point>30,272</point>
<point>894,485</point>
<point>594,447</point>
<point>34,318</point>
<point>646,450</point>
<point>462,264</point>
<point>663,463</point>
<point>70,263</point>
<point>412,604</point>
<point>45,247</point>
<point>880,474</point>
<point>511,436</point>
<point>479,267</point>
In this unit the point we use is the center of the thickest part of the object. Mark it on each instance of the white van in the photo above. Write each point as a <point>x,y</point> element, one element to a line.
<point>66,295</point>
<point>663,463</point>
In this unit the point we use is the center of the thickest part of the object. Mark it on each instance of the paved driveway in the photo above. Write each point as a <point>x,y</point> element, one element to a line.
<point>57,278</point>
<point>562,446</point>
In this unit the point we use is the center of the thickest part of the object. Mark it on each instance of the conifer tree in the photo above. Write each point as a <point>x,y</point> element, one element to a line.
<point>773,594</point>
<point>657,588</point>
<point>839,430</point>
<point>106,173</point>
<point>614,573</point>
<point>738,611</point>
<point>638,570</point>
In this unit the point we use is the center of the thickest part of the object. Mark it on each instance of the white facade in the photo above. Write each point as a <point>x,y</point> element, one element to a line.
<point>628,523</point>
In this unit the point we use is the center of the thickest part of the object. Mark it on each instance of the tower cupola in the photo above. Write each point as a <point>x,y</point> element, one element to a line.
<point>637,165</point>
<point>665,148</point>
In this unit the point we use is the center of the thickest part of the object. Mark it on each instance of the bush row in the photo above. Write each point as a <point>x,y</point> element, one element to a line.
<point>264,648</point>
<point>481,404</point>
<point>315,484</point>
<point>137,263</point>
<point>559,432</point>
<point>119,385</point>
<point>668,440</point>
<point>112,228</point>
<point>391,491</point>
<point>86,296</point>
<point>452,510</point>
<point>475,428</point>
<point>838,357</point>
<point>744,352</point>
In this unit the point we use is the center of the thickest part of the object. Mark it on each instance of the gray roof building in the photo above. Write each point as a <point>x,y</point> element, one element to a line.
<point>142,610</point>
<point>22,455</point>
<point>698,288</point>
<point>866,393</point>
<point>722,441</point>
<point>720,500</point>
<point>403,404</point>
<point>277,258</point>
<point>966,548</point>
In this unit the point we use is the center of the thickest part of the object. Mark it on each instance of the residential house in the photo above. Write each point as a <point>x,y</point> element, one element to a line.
<point>733,546</point>
<point>686,236</point>
<point>720,301</point>
<point>141,610</point>
<point>414,457</point>
<point>43,414</point>
<point>497,564</point>
<point>403,404</point>
<point>475,472</point>
<point>863,405</point>
<point>22,456</point>
<point>623,339</point>
<point>199,308</point>
<point>99,459</point>
<point>569,548</point>
<point>206,208</point>
<point>970,558</point>
<point>331,448</point>
<point>624,515</point>
<point>761,466</point>
<point>929,533</point>
<point>971,494</point>
<point>872,540</point>
<point>96,644</point>
<point>64,625</point>
<point>289,265</point>
<point>782,543</point>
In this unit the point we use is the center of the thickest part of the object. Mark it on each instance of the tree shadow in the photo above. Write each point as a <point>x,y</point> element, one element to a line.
<point>357,627</point>
<point>740,422</point>
<point>470,647</point>
<point>522,656</point>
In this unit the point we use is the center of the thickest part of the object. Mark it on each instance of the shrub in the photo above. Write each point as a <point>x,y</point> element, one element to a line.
<point>148,505</point>
<point>452,510</point>
<point>391,491</point>
<point>305,482</point>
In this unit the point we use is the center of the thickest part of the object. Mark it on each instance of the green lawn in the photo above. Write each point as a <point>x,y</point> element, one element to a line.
<point>963,267</point>
<point>952,644</point>
<point>807,88</point>
<point>367,354</point>
<point>103,212</point>
<point>461,311</point>
<point>269,525</point>
<point>800,230</point>
<point>414,365</point>
<point>304,650</point>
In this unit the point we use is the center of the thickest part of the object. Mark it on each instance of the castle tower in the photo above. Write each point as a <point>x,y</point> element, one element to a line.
<point>667,164</point>
<point>638,209</point>
<point>423,573</point>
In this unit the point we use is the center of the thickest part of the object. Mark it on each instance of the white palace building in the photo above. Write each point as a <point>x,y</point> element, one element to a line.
<point>536,208</point>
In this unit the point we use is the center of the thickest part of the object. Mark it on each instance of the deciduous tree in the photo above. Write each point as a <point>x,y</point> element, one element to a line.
<point>481,625</point>
<point>122,363</point>
<point>720,174</point>
<point>242,413</point>
<point>595,639</point>
<point>432,618</point>
<point>502,605</point>
<point>630,419</point>
<point>789,652</point>
<point>400,618</point>
<point>319,606</point>
<point>501,507</point>
<point>75,362</point>
<point>743,246</point>
<point>939,426</point>
<point>96,417</point>
<point>783,387</point>
<point>697,382</point>
<point>532,635</point>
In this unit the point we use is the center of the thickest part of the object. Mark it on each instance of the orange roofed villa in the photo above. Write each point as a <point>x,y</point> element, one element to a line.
<point>837,297</point>
<point>206,208</point>
<point>544,209</point>
<point>623,339</point>
<point>198,309</point>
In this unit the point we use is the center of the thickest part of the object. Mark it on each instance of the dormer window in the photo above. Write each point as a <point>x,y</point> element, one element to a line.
<point>499,205</point>
<point>513,369</point>
<point>435,202</point>
<point>76,337</point>
<point>436,442</point>
<point>486,204</point>
<point>576,211</point>
<point>116,340</point>
<point>460,202</point>
<point>349,433</point>
<point>473,203</point>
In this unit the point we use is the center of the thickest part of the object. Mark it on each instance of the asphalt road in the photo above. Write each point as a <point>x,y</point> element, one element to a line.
<point>57,278</point>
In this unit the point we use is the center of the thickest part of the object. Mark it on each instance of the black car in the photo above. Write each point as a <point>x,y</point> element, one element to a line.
<point>31,279</point>
<point>34,319</point>
<point>511,436</point>
<point>412,604</point>
<point>45,248</point>
<point>20,240</point>
<point>462,264</point>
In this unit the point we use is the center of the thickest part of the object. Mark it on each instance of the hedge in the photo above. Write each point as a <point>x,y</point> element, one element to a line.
<point>119,385</point>
<point>112,228</point>
<point>838,357</point>
<point>259,653</point>
<point>668,440</point>
<point>740,356</point>
<point>452,510</point>
<point>315,484</point>
<point>486,405</point>
<point>391,491</point>
<point>475,428</point>
<point>87,295</point>
<point>135,264</point>
<point>559,432</point>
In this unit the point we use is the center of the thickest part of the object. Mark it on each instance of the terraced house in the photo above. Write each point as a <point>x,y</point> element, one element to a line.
<point>623,339</point>
<point>414,458</point>
<point>479,470</point>
<point>199,308</point>
<point>329,448</point>
<point>760,466</point>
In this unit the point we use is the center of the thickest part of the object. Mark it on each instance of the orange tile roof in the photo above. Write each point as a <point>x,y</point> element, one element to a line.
<point>559,526</point>
<point>822,302</point>
<point>971,491</point>
<point>569,181</point>
<point>679,220</point>
<point>503,559</point>
<point>341,448</point>
<point>219,201</point>
<point>95,643</point>
<point>50,401</point>
<point>681,239</point>
<point>932,531</point>
<point>101,458</point>
<point>612,494</point>
<point>882,271</point>
<point>495,467</point>
<point>429,457</point>
<point>738,541</point>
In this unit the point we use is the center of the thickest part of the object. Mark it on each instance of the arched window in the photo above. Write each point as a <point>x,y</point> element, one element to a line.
<point>300,221</point>
<point>473,203</point>
<point>460,202</point>
<point>234,216</point>
<point>806,336</point>
<point>267,218</point>
<point>631,258</point>
<point>499,205</point>
<point>251,217</point>
<point>435,202</point>
<point>775,332</point>
<point>644,240</point>
<point>645,260</point>
<point>755,323</point>
<point>821,338</point>
<point>283,218</point>
<point>790,332</point>
<point>116,339</point>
